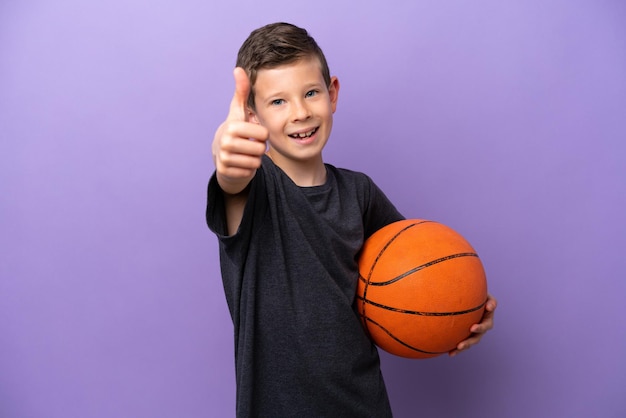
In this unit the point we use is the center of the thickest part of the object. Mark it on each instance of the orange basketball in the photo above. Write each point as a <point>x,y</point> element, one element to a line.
<point>421,288</point>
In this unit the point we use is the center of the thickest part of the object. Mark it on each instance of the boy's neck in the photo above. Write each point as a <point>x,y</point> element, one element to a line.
<point>303,173</point>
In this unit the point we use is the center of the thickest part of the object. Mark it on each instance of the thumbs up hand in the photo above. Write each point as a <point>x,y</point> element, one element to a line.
<point>238,144</point>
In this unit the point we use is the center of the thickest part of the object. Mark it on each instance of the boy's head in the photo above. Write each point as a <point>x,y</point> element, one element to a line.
<point>275,45</point>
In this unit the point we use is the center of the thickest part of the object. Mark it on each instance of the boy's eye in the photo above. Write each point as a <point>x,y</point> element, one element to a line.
<point>277,102</point>
<point>311,93</point>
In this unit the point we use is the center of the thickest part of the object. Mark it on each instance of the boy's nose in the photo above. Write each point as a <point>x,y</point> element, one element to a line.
<point>300,111</point>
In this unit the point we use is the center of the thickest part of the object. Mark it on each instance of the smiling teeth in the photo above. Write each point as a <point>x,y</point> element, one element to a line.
<point>304,134</point>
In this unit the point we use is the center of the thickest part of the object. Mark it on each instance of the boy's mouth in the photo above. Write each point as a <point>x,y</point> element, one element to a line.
<point>303,135</point>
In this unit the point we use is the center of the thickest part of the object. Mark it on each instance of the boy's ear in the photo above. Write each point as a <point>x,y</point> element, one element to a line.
<point>252,116</point>
<point>333,92</point>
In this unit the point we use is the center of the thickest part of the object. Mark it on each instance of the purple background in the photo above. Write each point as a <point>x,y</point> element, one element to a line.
<point>504,120</point>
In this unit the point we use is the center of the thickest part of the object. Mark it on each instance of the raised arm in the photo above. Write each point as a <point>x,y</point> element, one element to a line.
<point>237,148</point>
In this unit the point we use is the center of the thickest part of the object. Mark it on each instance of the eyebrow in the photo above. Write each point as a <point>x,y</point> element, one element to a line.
<point>306,87</point>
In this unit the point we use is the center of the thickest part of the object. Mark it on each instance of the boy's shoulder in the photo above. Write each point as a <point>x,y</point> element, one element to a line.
<point>347,174</point>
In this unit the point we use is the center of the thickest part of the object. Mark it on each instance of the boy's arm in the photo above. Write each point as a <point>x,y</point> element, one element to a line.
<point>238,146</point>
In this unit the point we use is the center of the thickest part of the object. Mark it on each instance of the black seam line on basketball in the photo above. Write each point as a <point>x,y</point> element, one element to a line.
<point>380,254</point>
<point>422,267</point>
<point>369,275</point>
<point>418,268</point>
<point>421,313</point>
<point>402,342</point>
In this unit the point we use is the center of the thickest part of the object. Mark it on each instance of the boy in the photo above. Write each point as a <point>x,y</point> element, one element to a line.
<point>290,229</point>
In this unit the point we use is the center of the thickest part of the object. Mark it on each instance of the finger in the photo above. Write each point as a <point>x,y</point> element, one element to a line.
<point>238,104</point>
<point>473,339</point>
<point>478,330</point>
<point>485,325</point>
<point>240,144</point>
<point>238,166</point>
<point>466,344</point>
<point>247,130</point>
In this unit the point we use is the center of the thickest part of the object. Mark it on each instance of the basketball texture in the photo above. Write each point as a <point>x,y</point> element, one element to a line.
<point>421,288</point>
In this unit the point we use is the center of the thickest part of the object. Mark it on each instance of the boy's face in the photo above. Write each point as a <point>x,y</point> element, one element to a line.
<point>295,105</point>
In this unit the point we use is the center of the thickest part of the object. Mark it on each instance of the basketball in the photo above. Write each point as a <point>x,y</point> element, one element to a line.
<point>421,287</point>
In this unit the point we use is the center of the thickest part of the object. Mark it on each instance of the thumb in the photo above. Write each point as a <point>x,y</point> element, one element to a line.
<point>239,102</point>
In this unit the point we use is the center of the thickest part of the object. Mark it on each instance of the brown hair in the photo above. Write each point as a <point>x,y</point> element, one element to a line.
<point>274,45</point>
